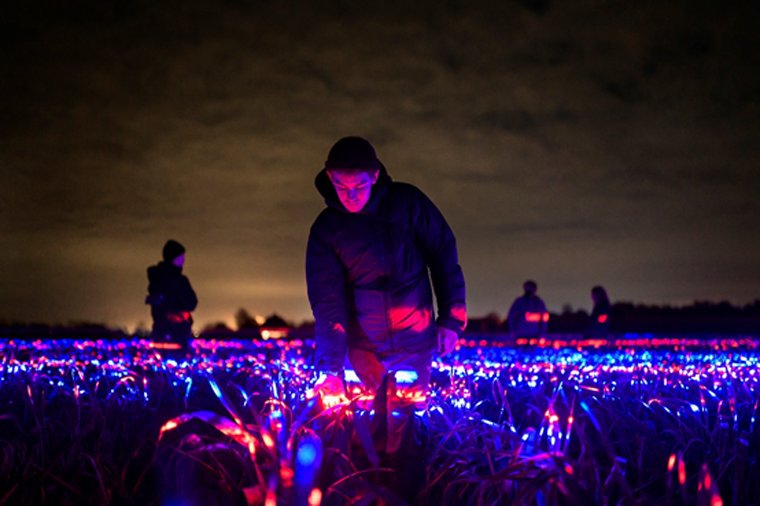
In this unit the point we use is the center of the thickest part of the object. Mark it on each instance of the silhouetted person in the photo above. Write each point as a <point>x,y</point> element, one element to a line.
<point>528,316</point>
<point>371,255</point>
<point>599,326</point>
<point>171,300</point>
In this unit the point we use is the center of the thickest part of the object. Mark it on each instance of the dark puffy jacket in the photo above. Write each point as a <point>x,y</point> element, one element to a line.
<point>367,273</point>
<point>527,316</point>
<point>171,300</point>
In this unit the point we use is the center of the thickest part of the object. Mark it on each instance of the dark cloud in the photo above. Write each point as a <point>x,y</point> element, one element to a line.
<point>575,143</point>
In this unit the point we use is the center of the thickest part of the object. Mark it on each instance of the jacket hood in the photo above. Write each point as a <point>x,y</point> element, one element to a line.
<point>327,190</point>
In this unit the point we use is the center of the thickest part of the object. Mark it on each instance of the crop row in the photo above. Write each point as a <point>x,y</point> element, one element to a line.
<point>112,422</point>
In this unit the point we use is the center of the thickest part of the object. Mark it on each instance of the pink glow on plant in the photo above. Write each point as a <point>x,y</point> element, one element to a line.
<point>170,425</point>
<point>268,441</point>
<point>286,473</point>
<point>315,498</point>
<point>704,386</point>
<point>165,346</point>
<point>330,401</point>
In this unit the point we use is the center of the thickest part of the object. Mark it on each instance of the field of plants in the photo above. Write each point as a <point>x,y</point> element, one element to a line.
<point>636,420</point>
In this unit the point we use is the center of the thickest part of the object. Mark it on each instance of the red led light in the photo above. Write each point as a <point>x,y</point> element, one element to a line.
<point>533,317</point>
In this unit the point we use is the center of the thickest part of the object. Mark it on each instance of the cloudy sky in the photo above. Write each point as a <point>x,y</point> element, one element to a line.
<point>576,143</point>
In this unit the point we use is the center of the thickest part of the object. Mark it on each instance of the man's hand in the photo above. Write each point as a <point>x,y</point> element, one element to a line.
<point>154,299</point>
<point>331,390</point>
<point>447,340</point>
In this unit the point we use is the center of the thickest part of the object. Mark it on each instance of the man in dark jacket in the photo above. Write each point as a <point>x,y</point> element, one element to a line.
<point>367,264</point>
<point>527,316</point>
<point>171,300</point>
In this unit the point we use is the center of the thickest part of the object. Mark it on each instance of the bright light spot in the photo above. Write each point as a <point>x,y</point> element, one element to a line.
<point>315,498</point>
<point>351,376</point>
<point>406,376</point>
<point>171,424</point>
<point>329,401</point>
<point>274,333</point>
<point>306,454</point>
<point>533,317</point>
<point>286,473</point>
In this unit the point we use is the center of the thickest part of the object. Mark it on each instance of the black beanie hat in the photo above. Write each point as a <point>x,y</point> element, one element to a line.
<point>172,249</point>
<point>352,153</point>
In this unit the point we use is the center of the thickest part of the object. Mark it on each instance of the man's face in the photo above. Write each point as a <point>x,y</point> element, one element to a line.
<point>353,188</point>
<point>179,261</point>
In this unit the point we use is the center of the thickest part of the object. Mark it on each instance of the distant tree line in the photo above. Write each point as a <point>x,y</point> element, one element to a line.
<point>72,330</point>
<point>701,317</point>
<point>248,327</point>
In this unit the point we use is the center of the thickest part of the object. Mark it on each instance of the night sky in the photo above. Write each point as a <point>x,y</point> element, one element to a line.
<point>572,142</point>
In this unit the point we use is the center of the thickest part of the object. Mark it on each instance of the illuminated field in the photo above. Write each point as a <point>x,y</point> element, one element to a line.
<point>635,418</point>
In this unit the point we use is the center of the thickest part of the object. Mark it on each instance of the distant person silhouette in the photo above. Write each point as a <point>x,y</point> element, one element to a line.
<point>171,300</point>
<point>528,316</point>
<point>599,326</point>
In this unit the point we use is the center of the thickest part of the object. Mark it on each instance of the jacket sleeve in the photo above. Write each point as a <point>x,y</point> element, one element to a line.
<point>152,285</point>
<point>438,245</point>
<point>514,314</point>
<point>544,323</point>
<point>325,280</point>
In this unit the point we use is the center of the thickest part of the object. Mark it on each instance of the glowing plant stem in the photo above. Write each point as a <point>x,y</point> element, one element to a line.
<point>315,497</point>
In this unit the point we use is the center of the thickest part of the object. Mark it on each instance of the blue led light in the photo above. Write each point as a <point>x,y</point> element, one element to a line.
<point>307,454</point>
